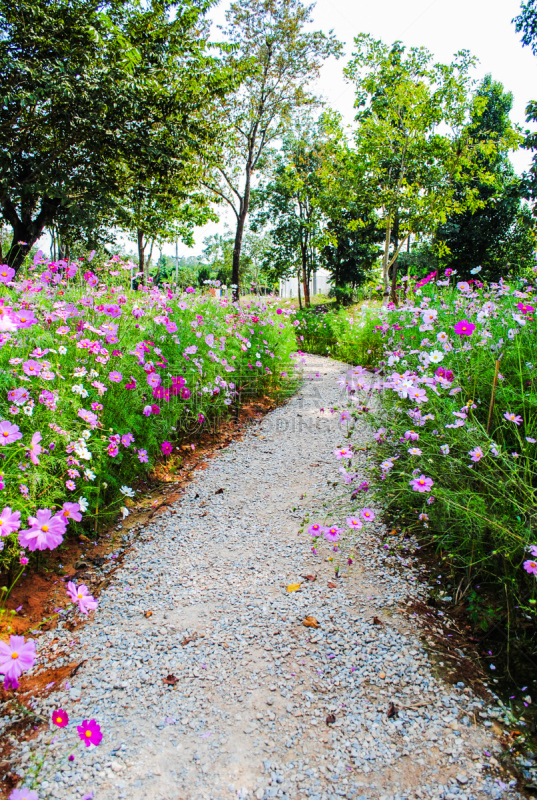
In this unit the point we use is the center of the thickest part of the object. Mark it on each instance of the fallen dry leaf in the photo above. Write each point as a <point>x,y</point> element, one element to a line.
<point>171,680</point>
<point>294,587</point>
<point>330,719</point>
<point>332,585</point>
<point>309,577</point>
<point>148,614</point>
<point>310,622</point>
<point>188,639</point>
<point>377,621</point>
<point>392,711</point>
<point>219,491</point>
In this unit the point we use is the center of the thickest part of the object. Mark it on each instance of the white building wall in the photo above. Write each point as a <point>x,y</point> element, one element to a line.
<point>318,285</point>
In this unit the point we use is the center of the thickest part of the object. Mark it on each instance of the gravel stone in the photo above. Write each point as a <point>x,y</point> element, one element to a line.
<point>247,717</point>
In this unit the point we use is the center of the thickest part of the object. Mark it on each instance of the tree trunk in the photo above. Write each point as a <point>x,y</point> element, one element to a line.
<point>141,253</point>
<point>386,257</point>
<point>299,295</point>
<point>305,282</point>
<point>27,231</point>
<point>241,219</point>
<point>393,292</point>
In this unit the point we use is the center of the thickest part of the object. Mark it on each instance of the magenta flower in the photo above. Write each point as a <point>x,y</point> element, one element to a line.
<point>35,447</point>
<point>31,367</point>
<point>333,533</point>
<point>127,439</point>
<point>113,450</point>
<point>476,454</point>
<point>9,433</point>
<point>10,521</point>
<point>142,456</point>
<point>464,328</point>
<point>18,396</point>
<point>529,566</point>
<point>166,448</point>
<point>60,718</point>
<point>115,377</point>
<point>6,273</point>
<point>153,379</point>
<point>343,452</point>
<point>81,596</point>
<point>367,514</point>
<point>516,418</point>
<point>46,531</point>
<point>525,309</point>
<point>23,560</point>
<point>71,511</point>
<point>421,484</point>
<point>354,523</point>
<point>16,657</point>
<point>90,732</point>
<point>315,529</point>
<point>185,393</point>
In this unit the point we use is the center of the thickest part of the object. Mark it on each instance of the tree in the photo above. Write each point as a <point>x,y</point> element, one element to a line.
<point>290,199</point>
<point>279,59</point>
<point>526,23</point>
<point>416,174</point>
<point>94,90</point>
<point>481,238</point>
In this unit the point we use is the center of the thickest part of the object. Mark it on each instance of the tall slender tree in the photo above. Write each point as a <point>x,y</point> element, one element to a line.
<point>280,58</point>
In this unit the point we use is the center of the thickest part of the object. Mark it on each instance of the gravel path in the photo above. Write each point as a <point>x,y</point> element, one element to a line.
<point>247,717</point>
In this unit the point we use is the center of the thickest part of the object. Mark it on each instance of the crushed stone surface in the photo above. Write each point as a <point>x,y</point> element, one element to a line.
<point>247,715</point>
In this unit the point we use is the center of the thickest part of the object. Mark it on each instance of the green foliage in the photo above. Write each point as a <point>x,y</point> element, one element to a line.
<point>108,110</point>
<point>352,337</point>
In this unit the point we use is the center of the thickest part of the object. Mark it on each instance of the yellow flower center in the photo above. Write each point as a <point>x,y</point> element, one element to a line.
<point>88,734</point>
<point>14,655</point>
<point>5,433</point>
<point>44,528</point>
<point>58,720</point>
<point>80,594</point>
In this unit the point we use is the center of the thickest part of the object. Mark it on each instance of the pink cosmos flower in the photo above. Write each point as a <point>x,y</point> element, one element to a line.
<point>101,388</point>
<point>147,410</point>
<point>354,522</point>
<point>315,529</point>
<point>516,418</point>
<point>533,549</point>
<point>344,416</point>
<point>127,439</point>
<point>89,417</point>
<point>412,436</point>
<point>60,718</point>
<point>115,377</point>
<point>71,511</point>
<point>18,396</point>
<point>185,393</point>
<point>31,367</point>
<point>142,456</point>
<point>113,450</point>
<point>6,273</point>
<point>46,531</point>
<point>529,566</point>
<point>421,484</point>
<point>9,433</point>
<point>16,657</point>
<point>367,514</point>
<point>414,451</point>
<point>90,732</point>
<point>23,794</point>
<point>81,596</point>
<point>525,309</point>
<point>476,454</point>
<point>166,448</point>
<point>153,379</point>
<point>464,328</point>
<point>10,521</point>
<point>35,447</point>
<point>343,452</point>
<point>23,560</point>
<point>71,485</point>
<point>333,533</point>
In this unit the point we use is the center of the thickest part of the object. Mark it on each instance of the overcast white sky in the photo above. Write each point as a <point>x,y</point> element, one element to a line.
<point>482,26</point>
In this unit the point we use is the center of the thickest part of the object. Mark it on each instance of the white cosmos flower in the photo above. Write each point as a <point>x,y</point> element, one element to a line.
<point>436,356</point>
<point>128,492</point>
<point>83,503</point>
<point>442,336</point>
<point>62,350</point>
<point>475,270</point>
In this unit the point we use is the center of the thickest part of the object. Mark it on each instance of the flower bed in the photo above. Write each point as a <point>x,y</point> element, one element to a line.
<point>457,431</point>
<point>98,380</point>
